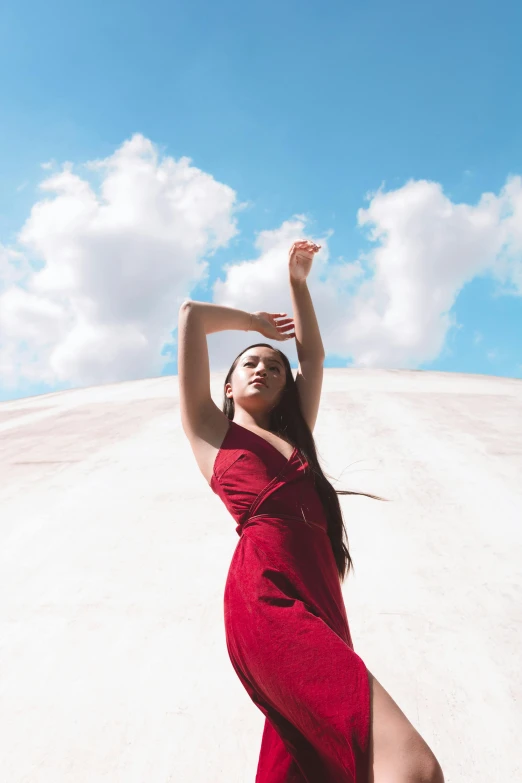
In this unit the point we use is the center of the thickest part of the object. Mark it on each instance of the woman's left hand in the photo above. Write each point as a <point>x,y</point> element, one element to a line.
<point>300,259</point>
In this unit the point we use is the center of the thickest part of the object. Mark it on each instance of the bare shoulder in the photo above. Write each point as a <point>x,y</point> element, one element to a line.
<point>206,437</point>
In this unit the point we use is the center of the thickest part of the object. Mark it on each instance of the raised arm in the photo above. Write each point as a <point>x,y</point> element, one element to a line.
<point>195,321</point>
<point>204,424</point>
<point>310,350</point>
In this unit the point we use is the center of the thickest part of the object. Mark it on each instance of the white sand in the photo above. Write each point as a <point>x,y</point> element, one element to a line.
<point>114,554</point>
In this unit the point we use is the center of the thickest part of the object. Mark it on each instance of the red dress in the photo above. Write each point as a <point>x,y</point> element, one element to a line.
<point>286,627</point>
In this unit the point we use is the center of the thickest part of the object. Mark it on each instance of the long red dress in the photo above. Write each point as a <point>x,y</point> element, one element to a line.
<point>286,627</point>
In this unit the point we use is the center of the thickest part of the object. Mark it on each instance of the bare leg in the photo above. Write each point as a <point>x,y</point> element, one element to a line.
<point>398,754</point>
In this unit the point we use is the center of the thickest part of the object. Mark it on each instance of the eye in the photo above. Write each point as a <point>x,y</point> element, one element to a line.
<point>273,367</point>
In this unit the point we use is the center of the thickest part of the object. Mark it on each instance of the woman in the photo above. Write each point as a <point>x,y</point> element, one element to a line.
<point>327,719</point>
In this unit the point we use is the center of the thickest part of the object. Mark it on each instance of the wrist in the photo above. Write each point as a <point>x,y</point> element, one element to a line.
<point>250,323</point>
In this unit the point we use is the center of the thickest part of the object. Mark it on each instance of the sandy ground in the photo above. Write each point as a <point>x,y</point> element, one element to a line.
<point>114,554</point>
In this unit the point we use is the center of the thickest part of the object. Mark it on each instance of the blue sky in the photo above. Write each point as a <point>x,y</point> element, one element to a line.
<point>297,110</point>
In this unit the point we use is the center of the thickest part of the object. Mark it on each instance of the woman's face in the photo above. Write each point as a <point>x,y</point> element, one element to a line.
<point>262,364</point>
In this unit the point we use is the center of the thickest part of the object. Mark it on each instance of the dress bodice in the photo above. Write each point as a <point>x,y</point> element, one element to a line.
<point>252,478</point>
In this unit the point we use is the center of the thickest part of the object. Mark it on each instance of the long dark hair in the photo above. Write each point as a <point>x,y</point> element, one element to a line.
<point>287,421</point>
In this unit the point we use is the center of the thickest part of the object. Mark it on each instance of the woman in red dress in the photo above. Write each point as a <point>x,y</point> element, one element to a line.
<point>327,719</point>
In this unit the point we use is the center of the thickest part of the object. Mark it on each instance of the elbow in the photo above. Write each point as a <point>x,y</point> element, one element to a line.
<point>186,307</point>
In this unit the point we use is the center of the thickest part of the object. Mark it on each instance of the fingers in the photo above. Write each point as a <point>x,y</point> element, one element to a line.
<point>281,318</point>
<point>283,323</point>
<point>283,331</point>
<point>306,244</point>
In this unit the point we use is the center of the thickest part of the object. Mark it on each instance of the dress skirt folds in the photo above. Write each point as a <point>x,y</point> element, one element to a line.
<point>286,627</point>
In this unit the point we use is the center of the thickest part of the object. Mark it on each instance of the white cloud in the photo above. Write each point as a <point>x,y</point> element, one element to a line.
<point>115,263</point>
<point>255,280</point>
<point>14,267</point>
<point>391,307</point>
<point>92,292</point>
<point>262,284</point>
<point>427,249</point>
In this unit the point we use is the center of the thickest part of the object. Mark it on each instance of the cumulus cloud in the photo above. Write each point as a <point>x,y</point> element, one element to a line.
<point>391,307</point>
<point>262,284</point>
<point>92,290</point>
<point>112,254</point>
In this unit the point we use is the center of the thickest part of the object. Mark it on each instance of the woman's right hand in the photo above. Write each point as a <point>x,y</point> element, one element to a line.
<point>275,326</point>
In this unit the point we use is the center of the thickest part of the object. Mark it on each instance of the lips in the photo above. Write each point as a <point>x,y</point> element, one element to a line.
<point>262,383</point>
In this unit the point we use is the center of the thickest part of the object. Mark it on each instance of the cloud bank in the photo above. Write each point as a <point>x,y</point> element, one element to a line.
<point>115,263</point>
<point>391,307</point>
<point>91,292</point>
